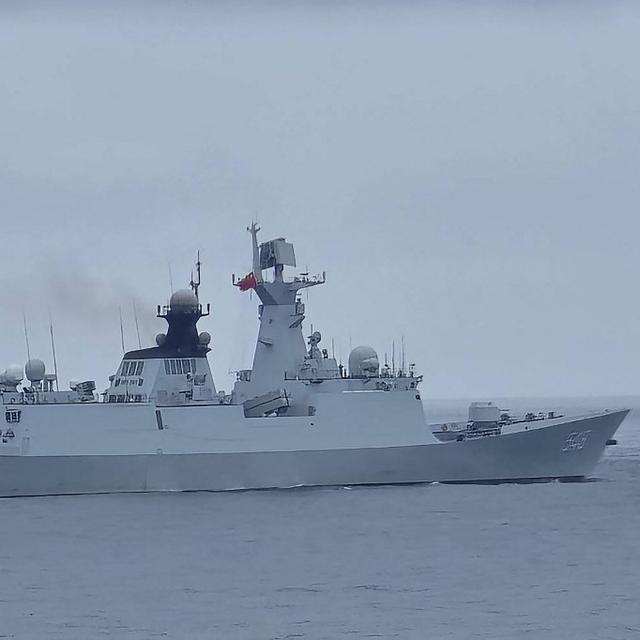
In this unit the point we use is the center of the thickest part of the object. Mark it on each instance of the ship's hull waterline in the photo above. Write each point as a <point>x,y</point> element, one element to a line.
<point>568,450</point>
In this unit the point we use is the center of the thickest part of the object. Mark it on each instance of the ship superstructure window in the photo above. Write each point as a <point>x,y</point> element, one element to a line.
<point>127,398</point>
<point>13,416</point>
<point>179,366</point>
<point>132,368</point>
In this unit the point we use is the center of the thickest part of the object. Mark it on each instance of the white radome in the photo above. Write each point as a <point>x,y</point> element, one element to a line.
<point>35,370</point>
<point>363,361</point>
<point>484,412</point>
<point>183,300</point>
<point>14,374</point>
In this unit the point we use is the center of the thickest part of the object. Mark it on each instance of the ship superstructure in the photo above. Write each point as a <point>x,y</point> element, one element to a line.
<point>281,358</point>
<point>296,418</point>
<point>174,372</point>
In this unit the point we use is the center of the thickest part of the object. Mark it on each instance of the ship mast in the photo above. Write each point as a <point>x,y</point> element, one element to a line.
<point>257,271</point>
<point>195,284</point>
<point>280,348</point>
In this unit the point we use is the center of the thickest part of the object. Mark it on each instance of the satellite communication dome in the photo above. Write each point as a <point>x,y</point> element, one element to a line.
<point>363,362</point>
<point>484,412</point>
<point>161,339</point>
<point>184,301</point>
<point>35,370</point>
<point>205,338</point>
<point>13,374</point>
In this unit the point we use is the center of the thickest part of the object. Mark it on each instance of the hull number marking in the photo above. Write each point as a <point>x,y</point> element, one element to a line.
<point>576,441</point>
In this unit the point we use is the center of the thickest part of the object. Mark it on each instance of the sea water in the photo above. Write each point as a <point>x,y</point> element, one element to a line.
<point>553,560</point>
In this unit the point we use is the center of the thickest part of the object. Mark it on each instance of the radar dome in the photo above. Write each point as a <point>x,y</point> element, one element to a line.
<point>13,374</point>
<point>484,412</point>
<point>363,362</point>
<point>35,370</point>
<point>205,338</point>
<point>184,301</point>
<point>161,339</point>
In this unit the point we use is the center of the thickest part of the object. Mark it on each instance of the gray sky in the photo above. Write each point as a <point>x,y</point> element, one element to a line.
<point>466,173</point>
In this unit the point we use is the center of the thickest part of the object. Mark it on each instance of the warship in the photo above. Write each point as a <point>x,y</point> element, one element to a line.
<point>296,418</point>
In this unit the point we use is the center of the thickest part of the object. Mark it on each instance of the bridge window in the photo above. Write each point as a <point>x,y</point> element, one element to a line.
<point>132,368</point>
<point>182,366</point>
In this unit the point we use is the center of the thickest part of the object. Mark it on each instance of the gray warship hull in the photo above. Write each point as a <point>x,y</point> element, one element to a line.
<point>297,418</point>
<point>562,450</point>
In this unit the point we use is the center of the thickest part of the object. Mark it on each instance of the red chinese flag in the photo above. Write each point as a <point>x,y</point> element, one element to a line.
<point>246,283</point>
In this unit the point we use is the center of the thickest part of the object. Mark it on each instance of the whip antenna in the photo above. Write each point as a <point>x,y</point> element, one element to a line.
<point>135,317</point>
<point>26,334</point>
<point>53,349</point>
<point>403,356</point>
<point>393,357</point>
<point>170,277</point>
<point>121,330</point>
